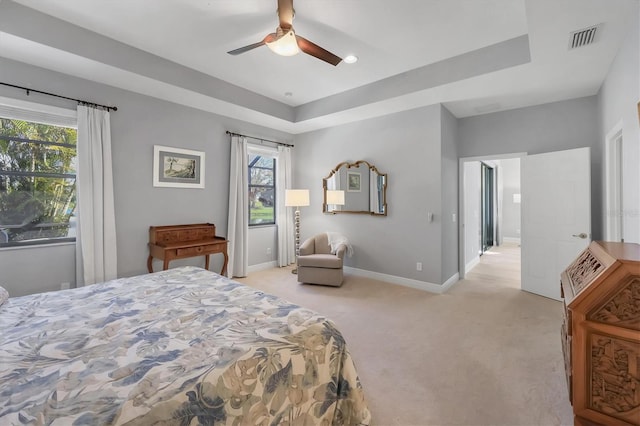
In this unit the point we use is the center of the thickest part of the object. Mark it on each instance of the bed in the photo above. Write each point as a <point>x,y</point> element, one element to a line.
<point>183,346</point>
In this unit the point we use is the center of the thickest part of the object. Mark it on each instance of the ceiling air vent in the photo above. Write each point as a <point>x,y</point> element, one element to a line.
<point>582,37</point>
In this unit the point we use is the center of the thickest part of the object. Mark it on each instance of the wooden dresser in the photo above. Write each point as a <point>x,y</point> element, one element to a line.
<point>601,334</point>
<point>183,241</point>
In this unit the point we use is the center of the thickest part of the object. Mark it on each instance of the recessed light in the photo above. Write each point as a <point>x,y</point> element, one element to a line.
<point>351,59</point>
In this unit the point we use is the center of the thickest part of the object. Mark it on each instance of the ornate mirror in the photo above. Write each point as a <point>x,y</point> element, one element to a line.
<point>355,188</point>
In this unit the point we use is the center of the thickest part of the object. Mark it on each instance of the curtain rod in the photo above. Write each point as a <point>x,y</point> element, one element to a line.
<point>80,101</point>
<point>259,139</point>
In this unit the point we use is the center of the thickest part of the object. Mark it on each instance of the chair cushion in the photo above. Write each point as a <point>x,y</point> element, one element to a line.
<point>322,243</point>
<point>320,261</point>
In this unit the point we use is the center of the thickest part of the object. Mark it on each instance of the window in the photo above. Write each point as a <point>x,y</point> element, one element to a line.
<point>37,182</point>
<point>262,189</point>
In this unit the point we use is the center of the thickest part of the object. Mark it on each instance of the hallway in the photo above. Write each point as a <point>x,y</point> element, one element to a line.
<point>499,265</point>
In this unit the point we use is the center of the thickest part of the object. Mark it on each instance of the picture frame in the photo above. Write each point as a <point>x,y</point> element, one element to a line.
<point>177,167</point>
<point>354,180</point>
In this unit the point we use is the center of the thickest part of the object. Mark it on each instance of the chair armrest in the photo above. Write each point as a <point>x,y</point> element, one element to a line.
<point>308,247</point>
<point>341,251</point>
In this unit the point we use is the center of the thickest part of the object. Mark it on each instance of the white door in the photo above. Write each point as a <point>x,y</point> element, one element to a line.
<point>556,216</point>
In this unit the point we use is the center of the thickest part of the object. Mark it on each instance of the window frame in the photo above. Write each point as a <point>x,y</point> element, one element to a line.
<point>15,109</point>
<point>273,154</point>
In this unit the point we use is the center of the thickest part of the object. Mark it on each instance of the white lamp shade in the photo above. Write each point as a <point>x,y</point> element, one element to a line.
<point>287,45</point>
<point>335,197</point>
<point>296,197</point>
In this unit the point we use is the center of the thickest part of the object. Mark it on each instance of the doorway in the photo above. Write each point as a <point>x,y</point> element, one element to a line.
<point>489,207</point>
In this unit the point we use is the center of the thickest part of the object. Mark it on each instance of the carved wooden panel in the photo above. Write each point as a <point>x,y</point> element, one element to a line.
<point>623,309</point>
<point>566,351</point>
<point>584,270</point>
<point>614,370</point>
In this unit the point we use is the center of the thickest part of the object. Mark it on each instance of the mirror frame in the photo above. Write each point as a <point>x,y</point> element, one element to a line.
<point>371,167</point>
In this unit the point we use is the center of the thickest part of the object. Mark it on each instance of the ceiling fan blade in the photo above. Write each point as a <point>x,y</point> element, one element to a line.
<point>314,50</point>
<point>268,39</point>
<point>285,13</point>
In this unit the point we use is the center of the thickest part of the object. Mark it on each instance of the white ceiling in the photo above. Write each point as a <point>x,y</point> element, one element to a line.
<point>474,56</point>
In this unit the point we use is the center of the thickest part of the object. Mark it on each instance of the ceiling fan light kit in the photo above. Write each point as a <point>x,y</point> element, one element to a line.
<point>286,45</point>
<point>285,42</point>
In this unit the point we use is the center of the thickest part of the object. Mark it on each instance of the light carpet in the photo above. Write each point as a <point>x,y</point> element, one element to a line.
<point>484,353</point>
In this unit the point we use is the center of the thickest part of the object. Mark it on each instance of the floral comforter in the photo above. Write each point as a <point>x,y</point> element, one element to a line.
<point>184,346</point>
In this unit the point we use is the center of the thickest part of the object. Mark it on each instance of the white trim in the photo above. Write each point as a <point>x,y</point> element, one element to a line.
<point>40,113</point>
<point>461,206</point>
<point>37,246</point>
<point>450,282</point>
<point>253,148</point>
<point>262,267</point>
<point>472,264</point>
<point>406,282</point>
<point>613,190</point>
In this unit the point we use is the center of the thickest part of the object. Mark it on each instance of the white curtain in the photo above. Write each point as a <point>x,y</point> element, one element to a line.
<point>96,255</point>
<point>238,224</point>
<point>284,221</point>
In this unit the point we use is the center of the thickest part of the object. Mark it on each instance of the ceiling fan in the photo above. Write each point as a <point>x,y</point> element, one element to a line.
<point>286,42</point>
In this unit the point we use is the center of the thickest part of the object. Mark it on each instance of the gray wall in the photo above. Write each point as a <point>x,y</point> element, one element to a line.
<point>544,128</point>
<point>509,175</point>
<point>139,123</point>
<point>405,145</point>
<point>414,147</point>
<point>263,244</point>
<point>449,179</point>
<point>617,99</point>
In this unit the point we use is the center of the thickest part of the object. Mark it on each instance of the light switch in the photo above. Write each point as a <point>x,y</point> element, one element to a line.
<point>453,217</point>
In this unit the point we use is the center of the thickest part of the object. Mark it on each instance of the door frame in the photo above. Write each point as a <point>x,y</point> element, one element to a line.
<point>461,206</point>
<point>488,195</point>
<point>613,183</point>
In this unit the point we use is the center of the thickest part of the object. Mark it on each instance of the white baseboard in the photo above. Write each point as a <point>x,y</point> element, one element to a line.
<point>262,267</point>
<point>511,240</point>
<point>450,282</point>
<point>469,266</point>
<point>407,282</point>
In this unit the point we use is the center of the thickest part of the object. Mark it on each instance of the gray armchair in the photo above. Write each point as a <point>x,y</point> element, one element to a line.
<point>316,263</point>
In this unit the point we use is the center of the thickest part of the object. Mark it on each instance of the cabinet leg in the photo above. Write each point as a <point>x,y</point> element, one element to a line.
<point>150,264</point>
<point>206,262</point>
<point>165,264</point>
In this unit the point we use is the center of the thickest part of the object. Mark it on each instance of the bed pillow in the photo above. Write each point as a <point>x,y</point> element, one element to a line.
<point>4,295</point>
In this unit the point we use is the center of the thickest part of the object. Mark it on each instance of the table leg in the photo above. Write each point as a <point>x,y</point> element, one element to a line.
<point>165,264</point>
<point>150,263</point>
<point>206,262</point>
<point>224,265</point>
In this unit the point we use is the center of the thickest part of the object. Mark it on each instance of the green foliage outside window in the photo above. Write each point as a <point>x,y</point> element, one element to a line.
<point>37,181</point>
<point>262,191</point>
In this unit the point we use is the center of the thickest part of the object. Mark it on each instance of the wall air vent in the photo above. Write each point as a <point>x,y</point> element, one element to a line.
<point>583,37</point>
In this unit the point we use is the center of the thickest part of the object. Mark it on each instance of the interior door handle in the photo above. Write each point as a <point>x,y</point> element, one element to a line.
<point>581,235</point>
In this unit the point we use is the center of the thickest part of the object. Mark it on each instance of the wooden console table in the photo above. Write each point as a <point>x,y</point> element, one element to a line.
<point>183,241</point>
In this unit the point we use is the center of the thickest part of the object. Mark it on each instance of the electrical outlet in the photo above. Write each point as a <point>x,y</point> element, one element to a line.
<point>419,266</point>
<point>65,286</point>
<point>518,231</point>
<point>268,250</point>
